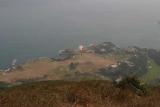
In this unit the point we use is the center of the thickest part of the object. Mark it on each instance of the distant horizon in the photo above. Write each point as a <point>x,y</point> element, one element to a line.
<point>35,28</point>
<point>17,61</point>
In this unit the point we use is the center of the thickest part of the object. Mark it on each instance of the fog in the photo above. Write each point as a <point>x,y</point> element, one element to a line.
<point>34,28</point>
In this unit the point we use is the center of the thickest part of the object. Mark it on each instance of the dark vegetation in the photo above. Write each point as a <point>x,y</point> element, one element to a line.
<point>78,94</point>
<point>4,85</point>
<point>140,64</point>
<point>134,84</point>
<point>155,55</point>
<point>136,65</point>
<point>64,55</point>
<point>72,66</point>
<point>105,48</point>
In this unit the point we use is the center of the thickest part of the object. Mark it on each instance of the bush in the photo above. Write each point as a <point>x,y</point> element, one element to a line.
<point>70,96</point>
<point>3,85</point>
<point>155,55</point>
<point>134,84</point>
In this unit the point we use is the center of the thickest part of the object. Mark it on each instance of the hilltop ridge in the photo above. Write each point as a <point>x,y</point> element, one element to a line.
<point>104,61</point>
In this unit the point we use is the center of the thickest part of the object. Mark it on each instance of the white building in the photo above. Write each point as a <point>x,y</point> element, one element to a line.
<point>119,79</point>
<point>103,50</point>
<point>81,47</point>
<point>114,65</point>
<point>14,62</point>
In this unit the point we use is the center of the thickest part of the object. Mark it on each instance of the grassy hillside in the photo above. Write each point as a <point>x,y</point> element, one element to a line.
<point>75,94</point>
<point>48,69</point>
<point>153,71</point>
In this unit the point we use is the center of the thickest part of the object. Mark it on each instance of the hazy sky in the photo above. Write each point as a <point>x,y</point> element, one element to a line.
<point>30,28</point>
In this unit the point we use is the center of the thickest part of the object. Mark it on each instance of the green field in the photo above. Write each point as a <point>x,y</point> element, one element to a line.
<point>153,71</point>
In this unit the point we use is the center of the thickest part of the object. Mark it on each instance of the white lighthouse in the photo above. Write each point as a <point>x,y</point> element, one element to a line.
<point>81,48</point>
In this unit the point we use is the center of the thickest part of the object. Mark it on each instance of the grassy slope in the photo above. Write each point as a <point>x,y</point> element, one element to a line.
<point>153,72</point>
<point>75,94</point>
<point>47,69</point>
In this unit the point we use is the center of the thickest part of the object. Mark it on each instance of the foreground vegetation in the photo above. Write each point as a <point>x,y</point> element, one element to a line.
<point>77,94</point>
<point>153,72</point>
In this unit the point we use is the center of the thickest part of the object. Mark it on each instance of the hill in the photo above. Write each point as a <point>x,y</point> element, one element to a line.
<point>102,75</point>
<point>104,61</point>
<point>76,94</point>
<point>49,69</point>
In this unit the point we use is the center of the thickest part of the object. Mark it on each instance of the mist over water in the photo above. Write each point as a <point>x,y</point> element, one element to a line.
<point>34,28</point>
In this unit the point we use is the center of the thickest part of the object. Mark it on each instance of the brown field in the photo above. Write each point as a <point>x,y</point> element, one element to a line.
<point>47,69</point>
<point>76,94</point>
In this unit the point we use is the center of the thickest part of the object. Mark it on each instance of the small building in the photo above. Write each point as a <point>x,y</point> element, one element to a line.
<point>64,55</point>
<point>61,51</point>
<point>150,67</point>
<point>90,51</point>
<point>7,70</point>
<point>119,79</point>
<point>91,45</point>
<point>103,50</point>
<point>104,44</point>
<point>131,50</point>
<point>114,65</point>
<point>81,47</point>
<point>14,62</point>
<point>130,64</point>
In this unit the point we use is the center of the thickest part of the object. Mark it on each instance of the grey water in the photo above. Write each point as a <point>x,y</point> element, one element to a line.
<point>37,28</point>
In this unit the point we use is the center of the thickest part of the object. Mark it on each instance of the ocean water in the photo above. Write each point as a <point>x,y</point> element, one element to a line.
<point>37,28</point>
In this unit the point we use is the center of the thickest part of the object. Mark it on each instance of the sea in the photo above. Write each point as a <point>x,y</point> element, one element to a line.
<point>39,28</point>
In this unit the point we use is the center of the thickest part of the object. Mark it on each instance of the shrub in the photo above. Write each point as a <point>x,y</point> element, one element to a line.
<point>134,84</point>
<point>70,97</point>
